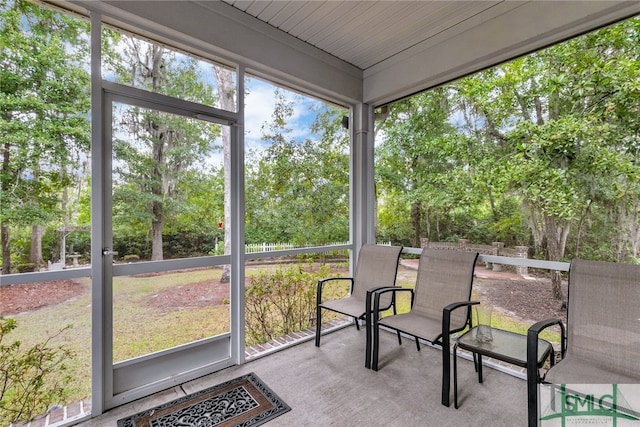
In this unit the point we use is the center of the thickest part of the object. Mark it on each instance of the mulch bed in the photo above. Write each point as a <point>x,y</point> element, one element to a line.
<point>195,295</point>
<point>32,296</point>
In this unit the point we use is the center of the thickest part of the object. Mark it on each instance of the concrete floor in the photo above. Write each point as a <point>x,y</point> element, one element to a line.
<point>329,386</point>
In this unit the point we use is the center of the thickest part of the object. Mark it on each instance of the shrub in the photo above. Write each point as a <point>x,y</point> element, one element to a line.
<point>26,268</point>
<point>31,380</point>
<point>131,258</point>
<point>278,303</point>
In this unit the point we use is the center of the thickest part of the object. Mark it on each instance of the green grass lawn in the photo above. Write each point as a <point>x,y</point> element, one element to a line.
<point>34,327</point>
<point>140,328</point>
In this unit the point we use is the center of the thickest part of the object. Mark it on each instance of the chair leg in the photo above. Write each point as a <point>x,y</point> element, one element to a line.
<point>318,324</point>
<point>455,376</point>
<point>446,371</point>
<point>357,319</point>
<point>376,344</point>
<point>532,399</point>
<point>399,338</point>
<point>368,325</point>
<point>417,344</point>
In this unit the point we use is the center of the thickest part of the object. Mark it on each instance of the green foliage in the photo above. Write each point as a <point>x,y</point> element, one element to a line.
<point>156,148</point>
<point>33,379</point>
<point>26,268</point>
<point>180,244</point>
<point>44,105</point>
<point>280,302</point>
<point>530,150</point>
<point>186,244</point>
<point>298,191</point>
<point>133,244</point>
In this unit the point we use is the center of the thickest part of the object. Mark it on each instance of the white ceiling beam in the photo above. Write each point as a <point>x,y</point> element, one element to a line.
<point>508,30</point>
<point>234,36</point>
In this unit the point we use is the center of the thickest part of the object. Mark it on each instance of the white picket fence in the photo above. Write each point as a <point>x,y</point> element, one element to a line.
<point>270,247</point>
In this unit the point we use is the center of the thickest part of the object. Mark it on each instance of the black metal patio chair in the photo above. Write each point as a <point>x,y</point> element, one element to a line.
<point>601,342</point>
<point>440,305</point>
<point>377,267</point>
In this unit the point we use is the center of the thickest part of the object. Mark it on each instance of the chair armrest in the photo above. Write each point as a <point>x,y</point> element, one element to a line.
<point>368,302</point>
<point>534,331</point>
<point>376,292</point>
<point>322,282</point>
<point>372,291</point>
<point>446,314</point>
<point>532,345</point>
<point>327,279</point>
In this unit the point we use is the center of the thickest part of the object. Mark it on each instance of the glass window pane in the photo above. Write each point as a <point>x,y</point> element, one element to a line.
<point>168,203</point>
<point>44,208</point>
<point>143,64</point>
<point>280,297</point>
<point>157,311</point>
<point>297,168</point>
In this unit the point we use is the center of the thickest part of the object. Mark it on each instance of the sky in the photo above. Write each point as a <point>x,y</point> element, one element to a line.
<point>259,105</point>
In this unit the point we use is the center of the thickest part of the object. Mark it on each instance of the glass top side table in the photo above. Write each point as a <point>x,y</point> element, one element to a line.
<point>507,346</point>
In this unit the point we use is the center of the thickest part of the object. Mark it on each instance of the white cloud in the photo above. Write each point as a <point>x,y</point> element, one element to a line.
<point>259,105</point>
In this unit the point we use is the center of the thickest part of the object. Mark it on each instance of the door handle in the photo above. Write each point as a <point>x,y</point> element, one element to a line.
<point>108,251</point>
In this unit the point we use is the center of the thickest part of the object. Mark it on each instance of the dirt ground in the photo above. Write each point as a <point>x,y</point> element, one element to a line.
<point>528,299</point>
<point>195,295</point>
<point>32,296</point>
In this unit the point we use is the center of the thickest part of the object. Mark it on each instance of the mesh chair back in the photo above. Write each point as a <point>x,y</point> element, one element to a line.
<point>377,266</point>
<point>444,277</point>
<point>604,314</point>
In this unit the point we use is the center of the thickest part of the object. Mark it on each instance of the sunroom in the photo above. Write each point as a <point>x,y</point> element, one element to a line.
<point>353,61</point>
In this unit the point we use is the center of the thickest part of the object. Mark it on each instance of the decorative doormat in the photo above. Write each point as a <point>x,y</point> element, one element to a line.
<point>243,401</point>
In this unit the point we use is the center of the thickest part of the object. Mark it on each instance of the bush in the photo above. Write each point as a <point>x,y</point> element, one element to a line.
<point>26,268</point>
<point>32,380</point>
<point>131,258</point>
<point>278,303</point>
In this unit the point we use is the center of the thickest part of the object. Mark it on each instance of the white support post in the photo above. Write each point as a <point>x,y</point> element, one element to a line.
<point>99,359</point>
<point>363,204</point>
<point>237,230</point>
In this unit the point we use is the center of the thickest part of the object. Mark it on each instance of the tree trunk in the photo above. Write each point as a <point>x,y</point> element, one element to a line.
<point>416,221</point>
<point>63,248</point>
<point>556,237</point>
<point>427,223</point>
<point>579,231</point>
<point>634,232</point>
<point>620,241</point>
<point>227,95</point>
<point>535,225</point>
<point>5,240</point>
<point>35,255</point>
<point>157,225</point>
<point>6,249</point>
<point>628,226</point>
